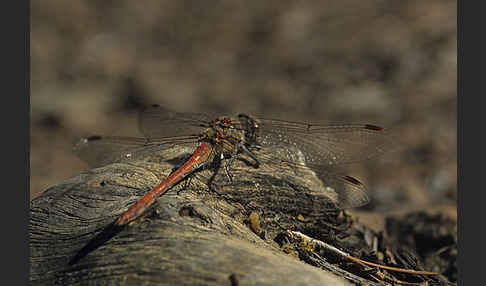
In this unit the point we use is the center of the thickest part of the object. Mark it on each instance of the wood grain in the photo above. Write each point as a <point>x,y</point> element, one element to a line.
<point>192,235</point>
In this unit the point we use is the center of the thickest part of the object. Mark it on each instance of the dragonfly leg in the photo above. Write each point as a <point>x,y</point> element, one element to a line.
<point>230,161</point>
<point>247,151</point>
<point>212,186</point>
<point>227,167</point>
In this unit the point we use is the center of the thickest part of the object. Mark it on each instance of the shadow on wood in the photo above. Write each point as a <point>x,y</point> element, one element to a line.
<point>108,233</point>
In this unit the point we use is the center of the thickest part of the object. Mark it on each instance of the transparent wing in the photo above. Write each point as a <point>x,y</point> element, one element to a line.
<point>320,147</point>
<point>345,191</point>
<point>350,192</point>
<point>101,150</point>
<point>327,145</point>
<point>157,121</point>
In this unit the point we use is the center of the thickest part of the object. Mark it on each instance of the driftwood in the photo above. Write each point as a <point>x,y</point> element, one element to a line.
<point>193,235</point>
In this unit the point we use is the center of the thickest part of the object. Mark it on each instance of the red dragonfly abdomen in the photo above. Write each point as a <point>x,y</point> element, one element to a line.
<point>199,158</point>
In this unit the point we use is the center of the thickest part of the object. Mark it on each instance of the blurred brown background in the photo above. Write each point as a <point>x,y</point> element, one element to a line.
<point>390,63</point>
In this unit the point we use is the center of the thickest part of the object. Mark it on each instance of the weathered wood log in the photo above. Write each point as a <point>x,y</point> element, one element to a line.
<point>193,235</point>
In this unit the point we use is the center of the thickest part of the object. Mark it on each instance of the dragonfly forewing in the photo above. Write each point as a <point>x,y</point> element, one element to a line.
<point>101,150</point>
<point>155,121</point>
<point>327,145</point>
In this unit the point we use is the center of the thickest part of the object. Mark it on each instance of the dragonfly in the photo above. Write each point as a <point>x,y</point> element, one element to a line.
<point>218,141</point>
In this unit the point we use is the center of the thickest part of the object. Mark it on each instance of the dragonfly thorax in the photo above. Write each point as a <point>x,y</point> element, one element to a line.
<point>230,136</point>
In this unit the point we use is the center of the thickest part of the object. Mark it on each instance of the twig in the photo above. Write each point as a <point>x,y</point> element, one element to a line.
<point>310,240</point>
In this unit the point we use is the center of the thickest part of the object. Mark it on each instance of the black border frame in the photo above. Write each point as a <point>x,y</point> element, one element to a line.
<point>469,177</point>
<point>16,122</point>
